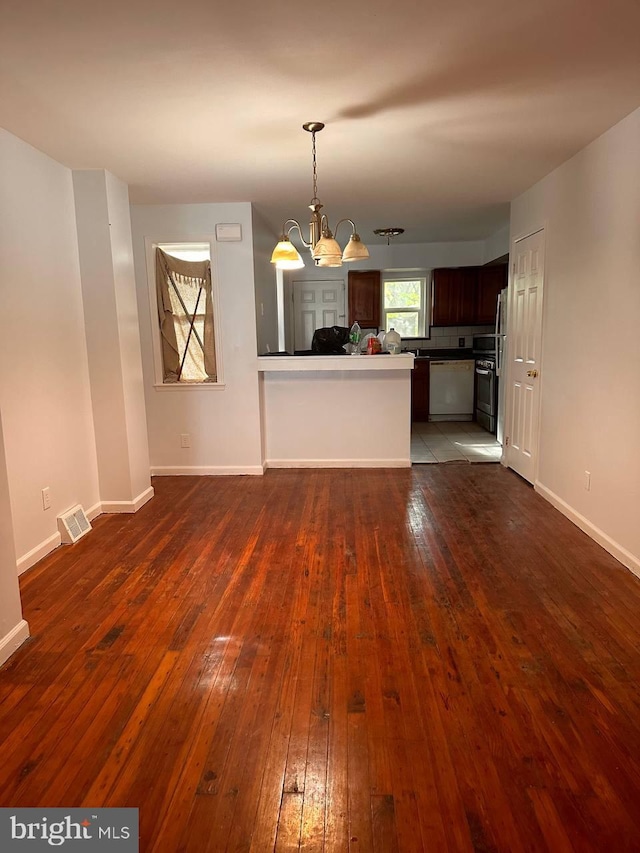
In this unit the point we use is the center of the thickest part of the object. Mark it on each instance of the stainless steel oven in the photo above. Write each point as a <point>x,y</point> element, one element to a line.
<point>486,393</point>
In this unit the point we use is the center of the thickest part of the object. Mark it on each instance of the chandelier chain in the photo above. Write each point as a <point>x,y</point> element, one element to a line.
<point>315,170</point>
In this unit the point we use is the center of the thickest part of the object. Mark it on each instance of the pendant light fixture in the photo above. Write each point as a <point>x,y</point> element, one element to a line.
<point>388,233</point>
<point>325,249</point>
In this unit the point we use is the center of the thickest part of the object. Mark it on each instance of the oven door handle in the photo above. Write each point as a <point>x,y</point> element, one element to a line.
<point>483,372</point>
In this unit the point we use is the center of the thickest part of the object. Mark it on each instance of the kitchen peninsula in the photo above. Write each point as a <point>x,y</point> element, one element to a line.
<point>336,411</point>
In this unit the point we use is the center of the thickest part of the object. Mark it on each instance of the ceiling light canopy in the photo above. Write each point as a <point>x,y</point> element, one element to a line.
<point>325,249</point>
<point>388,233</point>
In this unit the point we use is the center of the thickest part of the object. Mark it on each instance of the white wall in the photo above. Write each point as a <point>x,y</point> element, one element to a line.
<point>13,629</point>
<point>590,395</point>
<point>301,408</point>
<point>496,245</point>
<point>113,339</point>
<point>129,335</point>
<point>396,256</point>
<point>44,378</point>
<point>223,422</point>
<point>265,284</point>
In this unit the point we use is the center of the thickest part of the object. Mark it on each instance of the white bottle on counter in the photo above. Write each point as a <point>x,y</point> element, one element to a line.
<point>393,342</point>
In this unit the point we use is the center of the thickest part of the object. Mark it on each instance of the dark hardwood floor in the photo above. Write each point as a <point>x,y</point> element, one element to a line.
<point>334,660</point>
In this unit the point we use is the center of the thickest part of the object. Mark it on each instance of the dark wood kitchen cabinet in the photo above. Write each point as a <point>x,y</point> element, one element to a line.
<point>364,298</point>
<point>491,280</point>
<point>467,296</point>
<point>420,390</point>
<point>454,296</point>
<point>446,289</point>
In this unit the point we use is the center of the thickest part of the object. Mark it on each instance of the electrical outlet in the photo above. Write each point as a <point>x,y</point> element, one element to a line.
<point>46,498</point>
<point>587,480</point>
<point>185,440</point>
<point>460,342</point>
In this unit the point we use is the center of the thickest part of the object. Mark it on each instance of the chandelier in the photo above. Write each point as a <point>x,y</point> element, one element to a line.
<point>325,249</point>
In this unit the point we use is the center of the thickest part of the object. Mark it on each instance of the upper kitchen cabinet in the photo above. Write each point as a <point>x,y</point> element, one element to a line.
<point>364,298</point>
<point>467,296</point>
<point>491,281</point>
<point>454,296</point>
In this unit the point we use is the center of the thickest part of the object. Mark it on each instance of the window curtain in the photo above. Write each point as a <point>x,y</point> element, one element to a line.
<point>185,314</point>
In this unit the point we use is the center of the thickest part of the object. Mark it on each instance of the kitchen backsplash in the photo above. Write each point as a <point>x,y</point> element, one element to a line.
<point>447,337</point>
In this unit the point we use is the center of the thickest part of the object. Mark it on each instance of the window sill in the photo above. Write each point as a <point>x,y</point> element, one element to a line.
<point>192,386</point>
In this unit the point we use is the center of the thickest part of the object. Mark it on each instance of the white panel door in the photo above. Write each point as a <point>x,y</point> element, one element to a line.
<point>316,304</point>
<point>524,334</point>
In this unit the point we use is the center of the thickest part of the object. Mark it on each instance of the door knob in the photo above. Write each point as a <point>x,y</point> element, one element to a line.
<point>532,373</point>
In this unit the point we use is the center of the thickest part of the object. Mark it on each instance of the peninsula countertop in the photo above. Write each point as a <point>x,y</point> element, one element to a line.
<point>313,363</point>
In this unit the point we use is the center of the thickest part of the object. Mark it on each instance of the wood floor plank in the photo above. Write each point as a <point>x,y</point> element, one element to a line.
<point>289,823</point>
<point>332,660</point>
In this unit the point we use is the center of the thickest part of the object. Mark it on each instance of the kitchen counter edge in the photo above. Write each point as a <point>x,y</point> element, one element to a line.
<point>446,355</point>
<point>311,363</point>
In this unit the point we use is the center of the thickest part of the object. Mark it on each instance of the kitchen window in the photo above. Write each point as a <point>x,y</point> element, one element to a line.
<point>404,306</point>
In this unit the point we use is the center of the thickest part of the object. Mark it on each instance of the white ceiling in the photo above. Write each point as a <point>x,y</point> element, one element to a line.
<point>438,113</point>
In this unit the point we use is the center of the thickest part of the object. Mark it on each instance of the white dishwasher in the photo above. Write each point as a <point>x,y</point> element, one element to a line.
<point>451,390</point>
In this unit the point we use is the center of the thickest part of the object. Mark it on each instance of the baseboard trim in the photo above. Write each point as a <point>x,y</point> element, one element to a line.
<point>94,511</point>
<point>338,463</point>
<point>12,641</point>
<point>128,506</point>
<point>48,545</point>
<point>32,557</point>
<point>621,554</point>
<point>204,470</point>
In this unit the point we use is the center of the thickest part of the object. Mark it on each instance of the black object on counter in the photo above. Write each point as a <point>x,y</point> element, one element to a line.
<point>330,340</point>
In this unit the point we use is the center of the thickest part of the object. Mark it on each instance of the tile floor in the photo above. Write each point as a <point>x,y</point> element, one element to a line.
<point>449,441</point>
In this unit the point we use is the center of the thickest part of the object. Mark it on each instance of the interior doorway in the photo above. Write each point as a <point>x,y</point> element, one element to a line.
<point>524,349</point>
<point>316,305</point>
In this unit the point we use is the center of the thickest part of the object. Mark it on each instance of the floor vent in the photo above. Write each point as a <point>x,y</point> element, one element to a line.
<point>73,525</point>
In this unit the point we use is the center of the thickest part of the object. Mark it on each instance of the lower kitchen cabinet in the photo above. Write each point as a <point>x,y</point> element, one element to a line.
<point>420,390</point>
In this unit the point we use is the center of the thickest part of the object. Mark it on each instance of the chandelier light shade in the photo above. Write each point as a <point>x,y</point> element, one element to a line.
<point>330,261</point>
<point>286,257</point>
<point>325,249</point>
<point>355,250</point>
